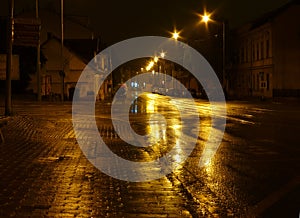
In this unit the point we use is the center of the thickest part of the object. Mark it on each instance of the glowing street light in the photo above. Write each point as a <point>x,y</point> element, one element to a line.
<point>205,18</point>
<point>150,65</point>
<point>175,35</point>
<point>162,54</point>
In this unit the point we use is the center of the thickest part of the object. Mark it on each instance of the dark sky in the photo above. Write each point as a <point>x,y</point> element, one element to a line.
<point>117,20</point>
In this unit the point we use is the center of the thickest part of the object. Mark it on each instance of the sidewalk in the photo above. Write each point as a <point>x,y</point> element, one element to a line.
<point>45,174</point>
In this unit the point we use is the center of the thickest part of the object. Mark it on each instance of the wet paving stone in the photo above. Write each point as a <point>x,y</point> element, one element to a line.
<point>50,177</point>
<point>45,174</point>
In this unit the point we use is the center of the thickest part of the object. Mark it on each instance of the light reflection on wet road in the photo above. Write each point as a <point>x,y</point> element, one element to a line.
<point>45,173</point>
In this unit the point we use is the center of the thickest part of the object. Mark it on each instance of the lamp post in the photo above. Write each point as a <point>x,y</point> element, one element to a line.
<point>38,61</point>
<point>62,72</point>
<point>206,18</point>
<point>8,110</point>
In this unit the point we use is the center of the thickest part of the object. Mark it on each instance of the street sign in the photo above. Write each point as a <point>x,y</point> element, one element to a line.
<point>26,31</point>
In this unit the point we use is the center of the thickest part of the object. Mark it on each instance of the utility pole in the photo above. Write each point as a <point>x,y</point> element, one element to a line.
<point>38,61</point>
<point>62,72</point>
<point>224,76</point>
<point>8,110</point>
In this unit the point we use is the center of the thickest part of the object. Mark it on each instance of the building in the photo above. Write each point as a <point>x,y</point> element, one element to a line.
<point>65,61</point>
<point>266,54</point>
<point>77,53</point>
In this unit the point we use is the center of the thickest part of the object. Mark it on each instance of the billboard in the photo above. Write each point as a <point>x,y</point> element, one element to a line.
<point>15,74</point>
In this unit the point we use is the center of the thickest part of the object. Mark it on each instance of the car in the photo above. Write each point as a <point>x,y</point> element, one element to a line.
<point>159,90</point>
<point>173,92</point>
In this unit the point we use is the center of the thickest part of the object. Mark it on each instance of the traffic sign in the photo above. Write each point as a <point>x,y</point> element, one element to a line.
<point>26,31</point>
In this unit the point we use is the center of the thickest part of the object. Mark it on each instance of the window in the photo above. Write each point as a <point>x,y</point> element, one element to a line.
<point>253,53</point>
<point>268,81</point>
<point>262,50</point>
<point>267,48</point>
<point>268,44</point>
<point>257,51</point>
<point>262,76</point>
<point>257,82</point>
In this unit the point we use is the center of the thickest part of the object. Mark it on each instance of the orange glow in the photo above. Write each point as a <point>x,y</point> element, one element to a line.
<point>150,65</point>
<point>175,35</point>
<point>205,18</point>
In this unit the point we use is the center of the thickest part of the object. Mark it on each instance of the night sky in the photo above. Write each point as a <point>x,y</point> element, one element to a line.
<point>118,20</point>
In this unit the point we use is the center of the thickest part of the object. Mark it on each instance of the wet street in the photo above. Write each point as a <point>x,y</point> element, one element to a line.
<point>254,173</point>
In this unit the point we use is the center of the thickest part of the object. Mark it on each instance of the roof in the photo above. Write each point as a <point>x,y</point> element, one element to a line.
<point>272,14</point>
<point>83,48</point>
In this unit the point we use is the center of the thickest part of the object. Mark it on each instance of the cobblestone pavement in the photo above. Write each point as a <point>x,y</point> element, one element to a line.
<point>45,174</point>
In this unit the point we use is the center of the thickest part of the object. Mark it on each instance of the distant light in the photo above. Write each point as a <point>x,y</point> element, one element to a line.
<point>150,65</point>
<point>205,18</point>
<point>162,54</point>
<point>175,35</point>
<point>155,59</point>
<point>134,85</point>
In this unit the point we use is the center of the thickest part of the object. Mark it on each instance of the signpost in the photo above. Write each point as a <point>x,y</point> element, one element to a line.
<point>21,32</point>
<point>26,31</point>
<point>8,109</point>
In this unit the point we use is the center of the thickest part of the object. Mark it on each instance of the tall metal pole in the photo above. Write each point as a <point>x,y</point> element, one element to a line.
<point>38,61</point>
<point>224,58</point>
<point>62,48</point>
<point>112,77</point>
<point>8,110</point>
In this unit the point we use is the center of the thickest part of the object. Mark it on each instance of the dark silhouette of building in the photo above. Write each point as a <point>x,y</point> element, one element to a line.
<point>266,54</point>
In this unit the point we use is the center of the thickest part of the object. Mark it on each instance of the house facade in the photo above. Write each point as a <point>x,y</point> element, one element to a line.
<point>54,82</point>
<point>266,55</point>
<point>63,66</point>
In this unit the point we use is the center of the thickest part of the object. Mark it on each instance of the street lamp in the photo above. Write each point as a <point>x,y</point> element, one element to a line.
<point>206,18</point>
<point>175,35</point>
<point>8,109</point>
<point>150,65</point>
<point>62,73</point>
